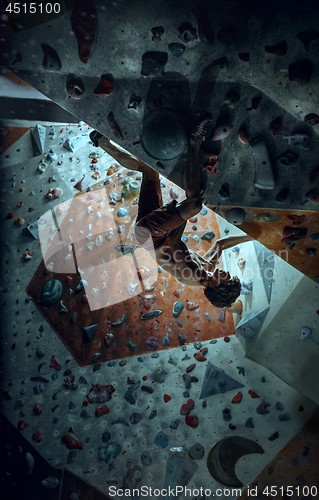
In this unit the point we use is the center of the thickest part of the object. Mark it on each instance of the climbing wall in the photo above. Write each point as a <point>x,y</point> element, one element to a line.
<point>155,416</point>
<point>144,76</point>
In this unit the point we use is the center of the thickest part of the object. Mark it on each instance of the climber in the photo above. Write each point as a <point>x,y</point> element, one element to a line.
<point>166,223</point>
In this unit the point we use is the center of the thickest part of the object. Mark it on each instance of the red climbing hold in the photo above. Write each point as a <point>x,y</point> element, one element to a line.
<point>105,85</point>
<point>37,435</point>
<point>253,394</point>
<point>71,441</point>
<point>187,407</point>
<point>237,399</point>
<point>167,398</point>
<point>191,420</point>
<point>190,368</point>
<point>226,339</point>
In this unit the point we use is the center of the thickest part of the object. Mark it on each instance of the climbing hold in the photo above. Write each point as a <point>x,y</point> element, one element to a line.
<point>166,398</point>
<point>187,407</point>
<point>105,85</point>
<point>89,333</point>
<point>243,56</point>
<point>188,380</point>
<point>191,306</point>
<point>235,216</point>
<point>237,398</point>
<point>177,308</point>
<point>232,98</point>
<point>176,49</point>
<point>274,436</point>
<point>249,424</point>
<point>282,196</point>
<point>203,211</point>
<point>83,22</point>
<point>243,135</point>
<point>187,33</point>
<point>311,251</point>
<point>279,49</point>
<point>199,357</point>
<point>253,394</point>
<point>114,126</point>
<point>51,59</point>
<point>306,37</point>
<point>100,393</point>
<point>300,71</point>
<point>153,63</point>
<point>51,292</point>
<point>312,119</point>
<point>305,333</point>
<point>221,132</point>
<point>224,191</point>
<point>191,420</point>
<point>135,418</point>
<point>262,409</point>
<point>161,440</point>
<point>121,212</point>
<point>120,321</point>
<point>151,314</point>
<point>275,126</point>
<point>75,87</point>
<point>163,134</point>
<point>151,344</point>
<point>111,450</point>
<point>190,368</point>
<point>146,458</point>
<point>71,441</point>
<point>196,452</point>
<point>159,374</point>
<point>227,414</point>
<point>313,196</point>
<point>208,236</point>
<point>223,457</point>
<point>131,393</point>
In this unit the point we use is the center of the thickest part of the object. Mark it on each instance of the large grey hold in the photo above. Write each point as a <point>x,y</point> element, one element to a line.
<point>131,393</point>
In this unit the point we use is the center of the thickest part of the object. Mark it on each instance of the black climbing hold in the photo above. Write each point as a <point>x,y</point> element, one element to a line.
<point>51,59</point>
<point>282,196</point>
<point>279,49</point>
<point>243,56</point>
<point>157,32</point>
<point>163,134</point>
<point>135,101</point>
<point>75,87</point>
<point>306,37</point>
<point>224,191</point>
<point>300,71</point>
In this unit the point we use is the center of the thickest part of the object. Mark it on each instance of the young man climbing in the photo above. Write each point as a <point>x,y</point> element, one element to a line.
<point>166,223</point>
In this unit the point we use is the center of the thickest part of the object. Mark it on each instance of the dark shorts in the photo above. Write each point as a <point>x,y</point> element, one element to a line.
<point>159,221</point>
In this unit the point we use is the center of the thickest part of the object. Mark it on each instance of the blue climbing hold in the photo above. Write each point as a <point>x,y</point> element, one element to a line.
<point>203,211</point>
<point>165,341</point>
<point>178,308</point>
<point>121,212</point>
